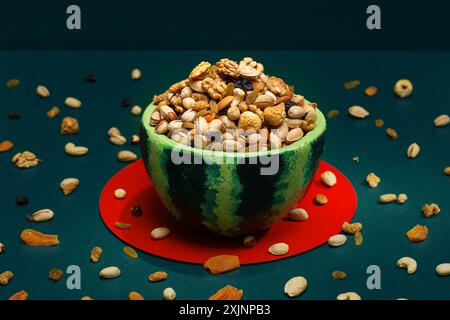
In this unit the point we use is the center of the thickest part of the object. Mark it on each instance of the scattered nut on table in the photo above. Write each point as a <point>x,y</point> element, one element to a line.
<point>110,272</point>
<point>25,159</point>
<point>407,263</point>
<point>430,209</point>
<point>69,185</point>
<point>295,286</point>
<point>298,214</point>
<point>42,91</point>
<point>41,215</point>
<point>373,180</point>
<point>403,88</point>
<point>160,233</point>
<point>337,240</point>
<point>120,193</point>
<point>169,294</point>
<point>328,178</point>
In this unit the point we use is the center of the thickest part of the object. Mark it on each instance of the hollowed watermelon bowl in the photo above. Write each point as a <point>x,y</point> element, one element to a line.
<point>226,193</point>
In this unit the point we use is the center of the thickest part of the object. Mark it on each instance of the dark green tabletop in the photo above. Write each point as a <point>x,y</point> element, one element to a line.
<point>317,75</point>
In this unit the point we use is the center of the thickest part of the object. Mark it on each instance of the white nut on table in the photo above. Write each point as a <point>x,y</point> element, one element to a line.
<point>409,263</point>
<point>337,240</point>
<point>120,193</point>
<point>160,233</point>
<point>41,215</point>
<point>110,272</point>
<point>295,286</point>
<point>169,294</point>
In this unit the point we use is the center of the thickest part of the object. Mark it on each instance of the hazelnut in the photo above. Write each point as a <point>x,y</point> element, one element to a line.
<point>275,115</point>
<point>250,120</point>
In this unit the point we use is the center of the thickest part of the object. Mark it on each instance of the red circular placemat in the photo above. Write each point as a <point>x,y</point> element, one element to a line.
<point>186,245</point>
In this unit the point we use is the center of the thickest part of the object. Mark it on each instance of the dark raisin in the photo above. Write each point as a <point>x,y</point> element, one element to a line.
<point>243,83</point>
<point>126,102</point>
<point>13,115</point>
<point>289,104</point>
<point>22,200</point>
<point>90,77</point>
<point>136,211</point>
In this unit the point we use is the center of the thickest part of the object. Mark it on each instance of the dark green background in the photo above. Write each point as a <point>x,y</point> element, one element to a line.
<point>319,76</point>
<point>237,25</point>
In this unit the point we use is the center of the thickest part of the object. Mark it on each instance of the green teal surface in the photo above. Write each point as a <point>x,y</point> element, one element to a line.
<point>319,75</point>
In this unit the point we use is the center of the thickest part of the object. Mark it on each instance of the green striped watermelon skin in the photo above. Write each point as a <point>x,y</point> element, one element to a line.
<point>230,198</point>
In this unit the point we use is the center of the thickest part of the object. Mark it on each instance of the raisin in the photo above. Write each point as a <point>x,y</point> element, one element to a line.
<point>22,200</point>
<point>289,104</point>
<point>13,115</point>
<point>90,77</point>
<point>126,102</point>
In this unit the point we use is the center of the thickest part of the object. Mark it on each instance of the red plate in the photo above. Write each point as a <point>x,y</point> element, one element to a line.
<point>187,246</point>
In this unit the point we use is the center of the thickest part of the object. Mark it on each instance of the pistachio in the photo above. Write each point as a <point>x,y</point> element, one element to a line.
<point>349,296</point>
<point>41,215</point>
<point>72,102</point>
<point>74,150</point>
<point>42,91</point>
<point>264,101</point>
<point>69,185</point>
<point>135,139</point>
<point>160,233</point>
<point>126,156</point>
<point>294,135</point>
<point>337,240</point>
<point>296,112</point>
<point>110,272</point>
<point>279,249</point>
<point>167,113</point>
<point>155,118</point>
<point>162,127</point>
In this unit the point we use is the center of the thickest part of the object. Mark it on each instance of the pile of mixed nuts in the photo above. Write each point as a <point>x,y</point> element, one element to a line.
<point>233,107</point>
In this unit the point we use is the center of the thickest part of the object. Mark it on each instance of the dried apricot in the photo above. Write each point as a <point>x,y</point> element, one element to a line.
<point>21,295</point>
<point>133,295</point>
<point>221,264</point>
<point>38,239</point>
<point>417,233</point>
<point>227,293</point>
